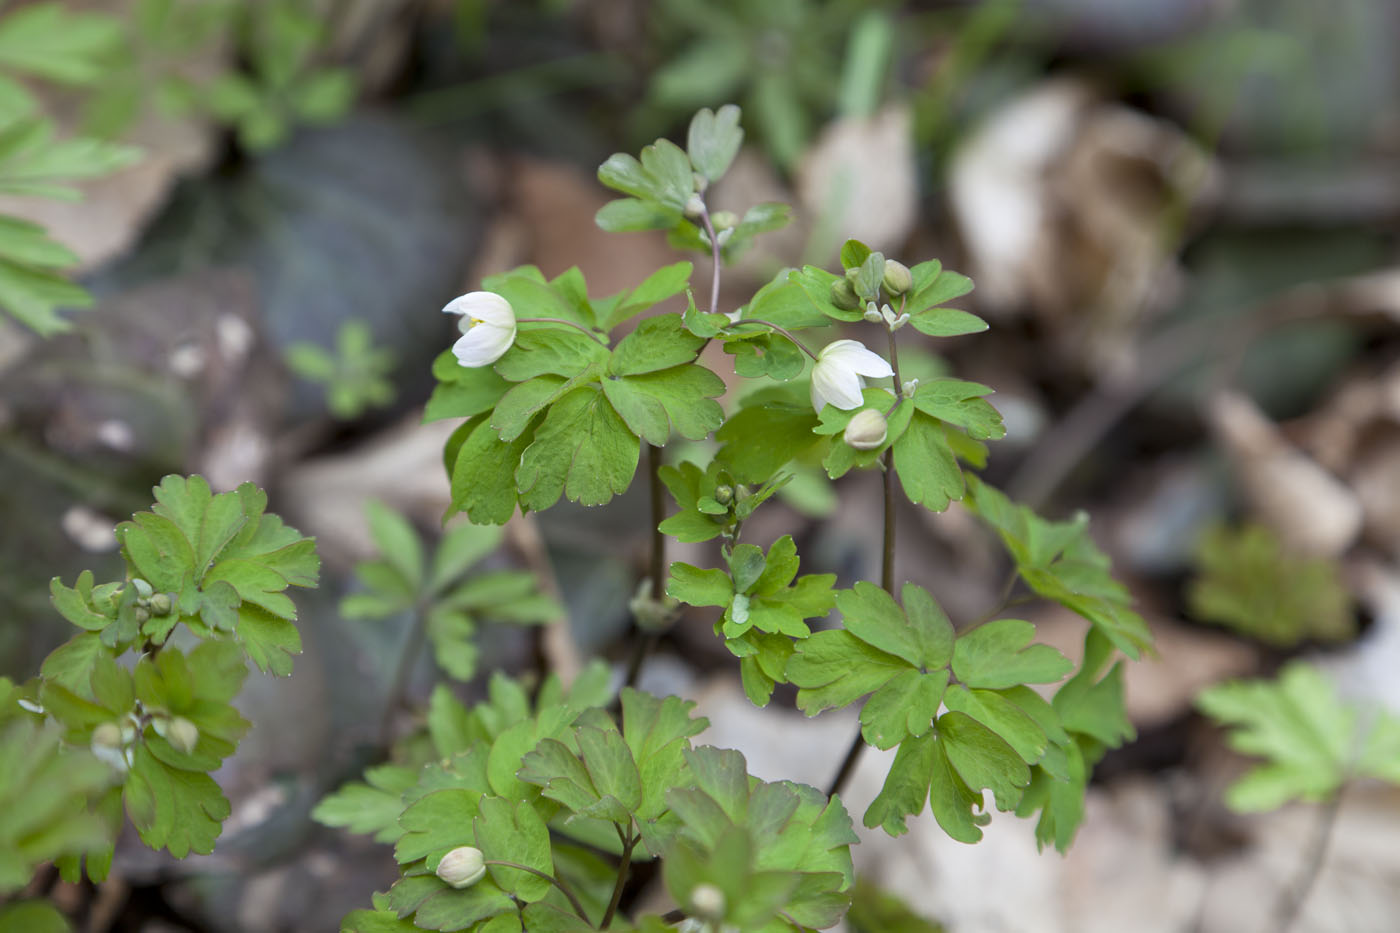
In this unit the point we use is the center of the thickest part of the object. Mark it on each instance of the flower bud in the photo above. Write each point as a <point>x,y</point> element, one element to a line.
<point>695,206</point>
<point>898,279</point>
<point>844,296</point>
<point>182,734</point>
<point>910,387</point>
<point>724,220</point>
<point>107,735</point>
<point>463,867</point>
<point>160,604</point>
<point>867,430</point>
<point>724,494</point>
<point>742,491</point>
<point>739,609</point>
<point>142,614</point>
<point>707,901</point>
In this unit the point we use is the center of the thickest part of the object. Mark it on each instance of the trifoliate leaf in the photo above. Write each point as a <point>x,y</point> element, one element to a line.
<point>1000,654</point>
<point>664,283</point>
<point>462,391</point>
<point>436,906</point>
<point>713,140</point>
<point>483,474</point>
<point>653,403</point>
<point>761,438</point>
<point>1059,561</point>
<point>513,832</point>
<point>927,469</point>
<point>371,807</point>
<point>1309,738</point>
<point>960,403</point>
<point>582,450</point>
<point>182,811</point>
<point>906,787</point>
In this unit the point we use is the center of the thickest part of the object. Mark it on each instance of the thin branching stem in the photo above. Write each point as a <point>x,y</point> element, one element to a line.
<point>644,646</point>
<point>559,320</point>
<point>714,254</point>
<point>780,329</point>
<point>848,764</point>
<point>1290,902</point>
<point>629,842</point>
<point>412,647</point>
<point>557,882</point>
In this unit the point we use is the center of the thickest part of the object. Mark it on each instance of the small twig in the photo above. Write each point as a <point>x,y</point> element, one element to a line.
<point>559,320</point>
<point>848,765</point>
<point>628,843</point>
<point>1290,902</point>
<point>557,882</point>
<point>644,646</point>
<point>780,329</point>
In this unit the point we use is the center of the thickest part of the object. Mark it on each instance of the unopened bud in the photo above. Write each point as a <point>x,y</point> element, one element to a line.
<point>695,206</point>
<point>910,386</point>
<point>898,279</point>
<point>739,609</point>
<point>182,734</point>
<point>724,220</point>
<point>463,867</point>
<point>724,494</point>
<point>867,430</point>
<point>107,735</point>
<point>160,604</point>
<point>142,614</point>
<point>707,901</point>
<point>844,296</point>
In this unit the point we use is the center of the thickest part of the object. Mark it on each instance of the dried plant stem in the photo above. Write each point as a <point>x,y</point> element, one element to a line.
<point>1290,902</point>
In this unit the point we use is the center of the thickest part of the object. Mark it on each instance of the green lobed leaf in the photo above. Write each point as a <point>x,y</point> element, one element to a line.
<point>713,140</point>
<point>1000,654</point>
<point>582,450</point>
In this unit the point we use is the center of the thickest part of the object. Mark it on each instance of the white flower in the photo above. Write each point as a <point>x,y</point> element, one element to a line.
<point>488,327</point>
<point>463,867</point>
<point>836,377</point>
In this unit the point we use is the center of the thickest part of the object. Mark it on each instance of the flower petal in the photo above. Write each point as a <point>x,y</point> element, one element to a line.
<point>483,344</point>
<point>853,355</point>
<point>835,385</point>
<point>483,306</point>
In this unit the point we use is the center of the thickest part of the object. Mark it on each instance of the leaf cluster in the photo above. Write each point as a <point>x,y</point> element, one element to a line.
<point>562,413</point>
<point>665,189</point>
<point>43,41</point>
<point>403,579</point>
<point>355,375</point>
<point>156,730</point>
<point>285,84</point>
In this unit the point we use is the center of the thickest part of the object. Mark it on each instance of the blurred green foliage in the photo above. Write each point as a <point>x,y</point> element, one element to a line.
<point>1249,583</point>
<point>355,375</point>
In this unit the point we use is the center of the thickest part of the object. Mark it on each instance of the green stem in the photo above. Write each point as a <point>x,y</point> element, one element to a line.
<point>558,883</point>
<point>628,843</point>
<point>714,254</point>
<point>645,645</point>
<point>566,323</point>
<point>413,645</point>
<point>782,330</point>
<point>894,357</point>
